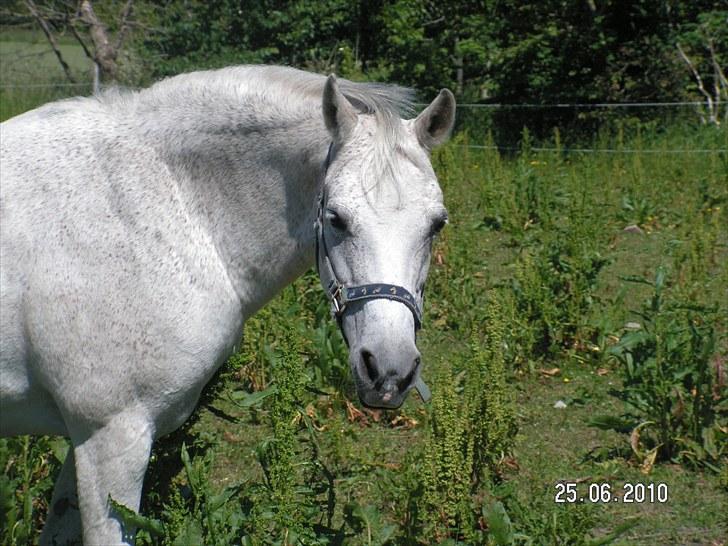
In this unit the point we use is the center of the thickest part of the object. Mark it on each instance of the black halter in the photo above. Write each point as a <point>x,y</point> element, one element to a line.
<point>341,295</point>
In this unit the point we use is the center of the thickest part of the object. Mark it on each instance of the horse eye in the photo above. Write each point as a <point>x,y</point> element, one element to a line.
<point>335,220</point>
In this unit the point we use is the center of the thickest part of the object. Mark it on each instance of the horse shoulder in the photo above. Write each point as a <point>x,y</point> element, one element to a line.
<point>123,294</point>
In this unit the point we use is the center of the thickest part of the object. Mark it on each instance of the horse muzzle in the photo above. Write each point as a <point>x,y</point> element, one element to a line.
<point>383,379</point>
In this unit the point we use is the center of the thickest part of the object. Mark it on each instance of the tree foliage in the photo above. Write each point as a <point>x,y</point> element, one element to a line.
<point>486,50</point>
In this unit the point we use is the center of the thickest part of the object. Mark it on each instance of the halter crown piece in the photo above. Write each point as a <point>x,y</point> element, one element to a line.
<point>341,295</point>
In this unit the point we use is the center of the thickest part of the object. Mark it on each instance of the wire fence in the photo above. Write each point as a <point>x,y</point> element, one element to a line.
<point>580,123</point>
<point>46,85</point>
<point>598,150</point>
<point>574,105</point>
<point>505,106</point>
<point>494,106</point>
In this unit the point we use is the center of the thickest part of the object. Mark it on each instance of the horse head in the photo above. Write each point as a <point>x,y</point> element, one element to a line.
<point>380,209</point>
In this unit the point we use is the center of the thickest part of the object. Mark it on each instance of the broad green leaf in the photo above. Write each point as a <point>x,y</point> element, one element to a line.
<point>131,519</point>
<point>248,400</point>
<point>500,528</point>
<point>191,534</point>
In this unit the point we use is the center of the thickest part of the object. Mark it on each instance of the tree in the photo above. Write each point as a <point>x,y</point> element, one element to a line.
<point>105,50</point>
<point>100,43</point>
<point>707,43</point>
<point>198,34</point>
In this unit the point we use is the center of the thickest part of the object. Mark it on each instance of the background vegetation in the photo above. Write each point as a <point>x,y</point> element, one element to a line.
<point>577,304</point>
<point>486,51</point>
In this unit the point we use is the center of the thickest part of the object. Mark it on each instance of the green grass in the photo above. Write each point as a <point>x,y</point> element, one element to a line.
<point>28,64</point>
<point>27,58</point>
<point>372,462</point>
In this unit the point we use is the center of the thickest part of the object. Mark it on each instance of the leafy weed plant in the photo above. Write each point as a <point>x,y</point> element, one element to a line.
<point>29,467</point>
<point>471,430</point>
<point>554,289</point>
<point>672,384</point>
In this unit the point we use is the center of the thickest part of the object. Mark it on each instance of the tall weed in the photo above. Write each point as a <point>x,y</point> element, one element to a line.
<point>294,505</point>
<point>492,422</point>
<point>448,466</point>
<point>554,288</point>
<point>471,430</point>
<point>673,380</point>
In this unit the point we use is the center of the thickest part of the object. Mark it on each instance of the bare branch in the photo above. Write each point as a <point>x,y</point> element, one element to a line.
<point>719,80</point>
<point>720,75</point>
<point>701,87</point>
<point>434,22</point>
<point>51,40</point>
<point>124,26</point>
<point>13,17</point>
<point>74,30</point>
<point>105,54</point>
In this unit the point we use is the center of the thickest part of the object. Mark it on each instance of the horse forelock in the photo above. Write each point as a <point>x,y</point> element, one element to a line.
<point>388,104</point>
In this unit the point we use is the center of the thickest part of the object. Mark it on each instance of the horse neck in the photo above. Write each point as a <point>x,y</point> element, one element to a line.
<point>251,179</point>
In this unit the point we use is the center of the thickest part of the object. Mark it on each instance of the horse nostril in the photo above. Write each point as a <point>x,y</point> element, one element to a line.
<point>370,363</point>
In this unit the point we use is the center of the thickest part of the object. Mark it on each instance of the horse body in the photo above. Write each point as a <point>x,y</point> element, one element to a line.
<point>138,233</point>
<point>119,241</point>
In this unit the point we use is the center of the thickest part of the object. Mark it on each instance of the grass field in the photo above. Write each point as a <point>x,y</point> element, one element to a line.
<point>25,54</point>
<point>535,281</point>
<point>374,457</point>
<point>30,74</point>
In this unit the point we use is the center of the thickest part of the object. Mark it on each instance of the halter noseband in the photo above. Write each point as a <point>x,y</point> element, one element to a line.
<point>341,295</point>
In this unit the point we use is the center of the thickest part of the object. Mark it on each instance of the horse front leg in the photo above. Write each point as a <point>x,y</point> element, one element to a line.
<point>63,526</point>
<point>111,461</point>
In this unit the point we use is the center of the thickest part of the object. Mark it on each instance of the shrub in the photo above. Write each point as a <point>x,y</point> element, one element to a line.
<point>554,288</point>
<point>673,381</point>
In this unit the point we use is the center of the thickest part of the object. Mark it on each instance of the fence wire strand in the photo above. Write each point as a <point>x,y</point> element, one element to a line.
<point>502,106</point>
<point>607,105</point>
<point>595,150</point>
<point>45,85</point>
<point>496,106</point>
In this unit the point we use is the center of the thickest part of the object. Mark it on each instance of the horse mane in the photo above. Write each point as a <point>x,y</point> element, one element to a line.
<point>262,95</point>
<point>278,84</point>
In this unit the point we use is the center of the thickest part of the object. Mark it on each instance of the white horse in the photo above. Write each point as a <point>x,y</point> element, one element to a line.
<point>139,231</point>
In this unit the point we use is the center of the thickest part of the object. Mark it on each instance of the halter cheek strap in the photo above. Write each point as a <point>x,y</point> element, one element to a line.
<point>341,295</point>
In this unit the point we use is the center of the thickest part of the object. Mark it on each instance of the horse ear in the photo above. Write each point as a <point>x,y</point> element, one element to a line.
<point>434,125</point>
<point>339,114</point>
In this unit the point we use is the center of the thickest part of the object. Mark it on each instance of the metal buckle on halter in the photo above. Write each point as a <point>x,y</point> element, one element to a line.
<point>337,298</point>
